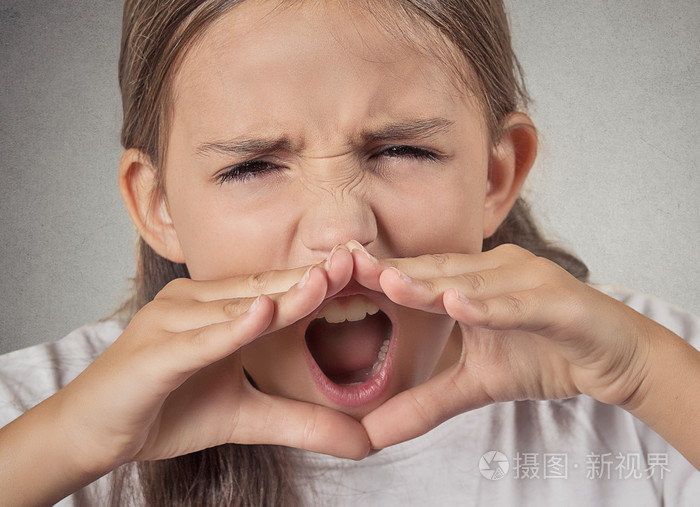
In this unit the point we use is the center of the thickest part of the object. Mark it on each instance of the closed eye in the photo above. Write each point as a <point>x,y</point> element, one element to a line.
<point>411,152</point>
<point>256,168</point>
<point>246,171</point>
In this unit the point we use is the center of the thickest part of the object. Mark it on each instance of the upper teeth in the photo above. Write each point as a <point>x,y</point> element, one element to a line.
<point>353,309</point>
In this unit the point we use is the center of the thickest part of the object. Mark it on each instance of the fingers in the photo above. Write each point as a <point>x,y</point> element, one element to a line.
<point>244,286</point>
<point>300,300</point>
<point>555,312</point>
<point>168,359</point>
<point>182,335</point>
<point>198,347</point>
<point>186,335</point>
<point>279,421</point>
<point>521,310</point>
<point>506,288</point>
<point>366,268</point>
<point>179,308</point>
<point>423,295</point>
<point>338,267</point>
<point>184,314</point>
<point>212,331</point>
<point>421,282</point>
<point>430,265</point>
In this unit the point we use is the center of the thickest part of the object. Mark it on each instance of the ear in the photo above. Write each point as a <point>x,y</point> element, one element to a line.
<point>512,158</point>
<point>146,205</point>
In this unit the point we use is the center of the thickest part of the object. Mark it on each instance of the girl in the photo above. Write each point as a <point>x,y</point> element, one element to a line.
<point>314,184</point>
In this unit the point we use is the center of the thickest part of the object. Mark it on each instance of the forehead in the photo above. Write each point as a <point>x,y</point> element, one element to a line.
<point>310,56</point>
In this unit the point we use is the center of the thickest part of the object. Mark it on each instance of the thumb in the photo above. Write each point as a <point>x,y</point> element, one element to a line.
<point>418,410</point>
<point>267,419</point>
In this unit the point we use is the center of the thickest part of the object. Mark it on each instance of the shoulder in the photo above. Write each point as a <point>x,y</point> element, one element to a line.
<point>30,375</point>
<point>683,323</point>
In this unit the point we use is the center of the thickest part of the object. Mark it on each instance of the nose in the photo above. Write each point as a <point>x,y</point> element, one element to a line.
<point>335,217</point>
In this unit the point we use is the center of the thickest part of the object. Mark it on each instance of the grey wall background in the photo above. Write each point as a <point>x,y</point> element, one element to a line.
<point>616,101</point>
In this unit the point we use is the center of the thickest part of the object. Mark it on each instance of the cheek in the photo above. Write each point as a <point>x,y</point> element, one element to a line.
<point>423,342</point>
<point>438,216</point>
<point>276,364</point>
<point>224,238</point>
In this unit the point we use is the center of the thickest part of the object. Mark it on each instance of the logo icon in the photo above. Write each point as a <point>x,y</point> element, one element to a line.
<point>494,465</point>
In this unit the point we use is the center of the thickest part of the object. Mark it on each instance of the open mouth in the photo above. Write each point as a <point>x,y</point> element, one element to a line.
<point>349,340</point>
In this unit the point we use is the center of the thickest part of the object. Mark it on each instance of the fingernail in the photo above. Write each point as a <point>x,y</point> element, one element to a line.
<point>356,245</point>
<point>461,297</point>
<point>329,259</point>
<point>402,275</point>
<point>254,306</point>
<point>304,278</point>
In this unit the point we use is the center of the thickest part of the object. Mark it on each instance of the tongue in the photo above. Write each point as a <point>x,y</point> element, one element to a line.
<point>346,352</point>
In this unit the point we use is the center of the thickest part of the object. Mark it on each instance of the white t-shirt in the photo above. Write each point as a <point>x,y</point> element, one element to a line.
<point>569,452</point>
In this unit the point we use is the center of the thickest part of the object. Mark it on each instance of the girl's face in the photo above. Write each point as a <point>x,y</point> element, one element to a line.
<point>295,129</point>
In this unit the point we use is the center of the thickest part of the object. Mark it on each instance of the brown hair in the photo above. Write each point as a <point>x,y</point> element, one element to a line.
<point>156,36</point>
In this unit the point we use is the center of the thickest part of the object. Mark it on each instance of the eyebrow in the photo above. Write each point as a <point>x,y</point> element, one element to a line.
<point>411,129</point>
<point>245,147</point>
<point>251,146</point>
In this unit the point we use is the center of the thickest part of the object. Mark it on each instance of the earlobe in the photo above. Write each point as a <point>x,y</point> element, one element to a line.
<point>146,205</point>
<point>512,157</point>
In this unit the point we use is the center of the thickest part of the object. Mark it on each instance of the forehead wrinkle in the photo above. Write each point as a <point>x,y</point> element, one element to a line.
<point>342,154</point>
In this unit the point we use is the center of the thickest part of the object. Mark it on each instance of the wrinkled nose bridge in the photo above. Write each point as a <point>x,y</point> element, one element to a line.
<point>337,209</point>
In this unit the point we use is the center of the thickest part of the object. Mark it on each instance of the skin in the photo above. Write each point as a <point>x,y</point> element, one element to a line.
<point>334,179</point>
<point>173,382</point>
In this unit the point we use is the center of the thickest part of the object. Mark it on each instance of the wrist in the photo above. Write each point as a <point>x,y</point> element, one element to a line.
<point>655,376</point>
<point>38,463</point>
<point>666,398</point>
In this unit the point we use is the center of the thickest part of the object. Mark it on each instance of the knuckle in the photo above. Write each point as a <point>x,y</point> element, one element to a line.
<point>310,427</point>
<point>233,308</point>
<point>233,423</point>
<point>440,259</point>
<point>153,310</point>
<point>199,338</point>
<point>257,282</point>
<point>421,411</point>
<point>567,301</point>
<point>475,281</point>
<point>508,249</point>
<point>429,285</point>
<point>542,264</point>
<point>551,274</point>
<point>174,287</point>
<point>513,304</point>
<point>152,306</point>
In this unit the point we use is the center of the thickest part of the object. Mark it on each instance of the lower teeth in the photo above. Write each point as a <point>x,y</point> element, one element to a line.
<point>381,356</point>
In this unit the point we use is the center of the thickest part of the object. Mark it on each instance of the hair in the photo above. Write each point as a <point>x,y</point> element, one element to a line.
<point>155,39</point>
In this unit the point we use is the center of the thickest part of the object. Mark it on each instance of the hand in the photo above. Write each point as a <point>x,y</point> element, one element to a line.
<point>529,331</point>
<point>173,383</point>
